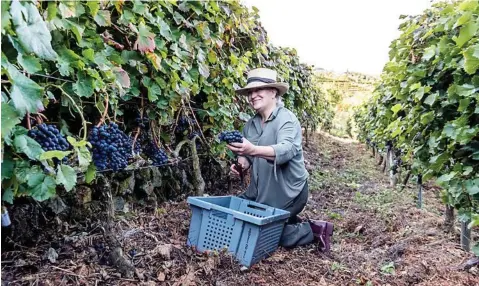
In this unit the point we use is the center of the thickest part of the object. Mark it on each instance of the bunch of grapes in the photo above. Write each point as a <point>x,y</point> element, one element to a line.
<point>111,147</point>
<point>184,123</point>
<point>49,137</point>
<point>157,155</point>
<point>231,137</point>
<point>143,123</point>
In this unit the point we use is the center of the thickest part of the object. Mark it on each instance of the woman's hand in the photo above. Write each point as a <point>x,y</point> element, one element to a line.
<point>244,148</point>
<point>243,162</point>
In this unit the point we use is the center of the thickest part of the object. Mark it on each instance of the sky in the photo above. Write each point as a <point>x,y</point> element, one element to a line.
<point>337,35</point>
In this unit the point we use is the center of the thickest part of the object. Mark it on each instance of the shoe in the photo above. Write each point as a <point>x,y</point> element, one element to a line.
<point>322,231</point>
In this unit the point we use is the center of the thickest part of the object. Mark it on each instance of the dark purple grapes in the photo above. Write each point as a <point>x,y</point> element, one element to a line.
<point>143,123</point>
<point>231,137</point>
<point>111,147</point>
<point>156,154</point>
<point>49,137</point>
<point>184,123</point>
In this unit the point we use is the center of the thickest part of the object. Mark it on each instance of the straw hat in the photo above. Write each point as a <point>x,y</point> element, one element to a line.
<point>263,78</point>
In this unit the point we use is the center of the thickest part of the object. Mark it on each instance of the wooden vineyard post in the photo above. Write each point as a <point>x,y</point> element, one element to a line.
<point>419,194</point>
<point>449,219</point>
<point>392,168</point>
<point>465,236</point>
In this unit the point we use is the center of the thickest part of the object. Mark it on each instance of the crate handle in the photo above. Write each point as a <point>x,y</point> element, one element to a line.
<point>256,207</point>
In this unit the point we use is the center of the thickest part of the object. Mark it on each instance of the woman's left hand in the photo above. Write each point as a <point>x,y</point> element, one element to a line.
<point>245,148</point>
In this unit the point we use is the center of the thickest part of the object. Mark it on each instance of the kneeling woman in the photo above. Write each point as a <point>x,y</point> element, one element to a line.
<point>272,148</point>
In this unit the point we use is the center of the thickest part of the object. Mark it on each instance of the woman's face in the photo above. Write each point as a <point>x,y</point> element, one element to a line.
<point>262,98</point>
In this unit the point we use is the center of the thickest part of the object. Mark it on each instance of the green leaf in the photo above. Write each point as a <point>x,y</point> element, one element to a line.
<point>427,117</point>
<point>27,145</point>
<point>5,15</point>
<point>437,162</point>
<point>84,85</point>
<point>471,62</point>
<point>212,57</point>
<point>94,7</point>
<point>463,104</point>
<point>66,176</point>
<point>45,190</point>
<point>7,167</point>
<point>90,173</point>
<point>30,63</point>
<point>8,194</point>
<point>431,99</point>
<point>165,30</point>
<point>35,176</point>
<point>84,157</point>
<point>10,118</point>
<point>145,41</point>
<point>75,28</point>
<point>429,53</point>
<point>154,59</point>
<point>103,18</point>
<point>396,108</point>
<point>466,33</point>
<point>446,178</point>
<point>51,10</point>
<point>31,30</point>
<point>25,93</point>
<point>54,154</point>
<point>472,186</point>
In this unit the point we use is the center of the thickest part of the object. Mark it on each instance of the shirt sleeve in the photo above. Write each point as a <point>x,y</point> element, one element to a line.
<point>286,148</point>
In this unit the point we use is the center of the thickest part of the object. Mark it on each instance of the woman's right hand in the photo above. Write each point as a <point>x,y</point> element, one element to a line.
<point>243,162</point>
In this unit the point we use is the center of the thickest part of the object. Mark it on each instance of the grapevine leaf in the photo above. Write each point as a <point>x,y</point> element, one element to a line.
<point>90,173</point>
<point>429,53</point>
<point>122,77</point>
<point>75,28</point>
<point>145,41</point>
<point>103,18</point>
<point>472,186</point>
<point>27,145</point>
<point>84,157</point>
<point>7,167</point>
<point>35,176</point>
<point>45,190</point>
<point>446,178</point>
<point>431,99</point>
<point>31,30</point>
<point>8,194</point>
<point>471,56</point>
<point>10,118</point>
<point>5,15</point>
<point>25,93</point>
<point>154,59</point>
<point>396,108</point>
<point>94,7</point>
<point>52,10</point>
<point>466,33</point>
<point>165,30</point>
<point>29,63</point>
<point>54,154</point>
<point>84,85</point>
<point>66,176</point>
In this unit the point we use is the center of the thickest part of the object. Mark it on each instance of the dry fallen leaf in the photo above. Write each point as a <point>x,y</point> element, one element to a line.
<point>161,277</point>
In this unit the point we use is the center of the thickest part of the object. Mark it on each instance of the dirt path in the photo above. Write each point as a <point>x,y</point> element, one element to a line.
<point>381,238</point>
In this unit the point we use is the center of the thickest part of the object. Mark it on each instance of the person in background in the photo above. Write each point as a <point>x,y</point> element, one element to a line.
<point>272,148</point>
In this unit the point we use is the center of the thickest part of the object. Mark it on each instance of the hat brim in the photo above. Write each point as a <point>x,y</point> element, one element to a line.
<point>281,87</point>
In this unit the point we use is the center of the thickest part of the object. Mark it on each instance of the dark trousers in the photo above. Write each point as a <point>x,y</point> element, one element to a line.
<point>297,205</point>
